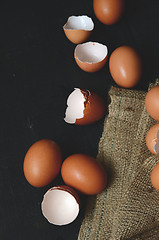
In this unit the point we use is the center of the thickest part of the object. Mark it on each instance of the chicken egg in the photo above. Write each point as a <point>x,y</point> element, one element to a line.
<point>108,11</point>
<point>152,102</point>
<point>155,177</point>
<point>125,66</point>
<point>84,107</point>
<point>60,205</point>
<point>42,162</point>
<point>91,56</point>
<point>78,28</point>
<point>152,139</point>
<point>84,173</point>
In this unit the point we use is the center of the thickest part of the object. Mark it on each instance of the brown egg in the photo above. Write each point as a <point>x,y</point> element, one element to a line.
<point>78,28</point>
<point>84,107</point>
<point>152,102</point>
<point>91,56</point>
<point>152,140</point>
<point>108,11</point>
<point>42,162</point>
<point>155,177</point>
<point>125,66</point>
<point>84,173</point>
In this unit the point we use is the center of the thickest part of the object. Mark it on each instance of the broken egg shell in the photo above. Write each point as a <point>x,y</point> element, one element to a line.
<point>42,162</point>
<point>91,56</point>
<point>152,139</point>
<point>84,107</point>
<point>152,102</point>
<point>84,173</point>
<point>78,28</point>
<point>60,205</point>
<point>155,177</point>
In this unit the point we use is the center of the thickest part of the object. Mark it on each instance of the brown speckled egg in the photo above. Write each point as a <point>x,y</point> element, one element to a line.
<point>84,173</point>
<point>125,66</point>
<point>152,102</point>
<point>42,162</point>
<point>155,177</point>
<point>108,11</point>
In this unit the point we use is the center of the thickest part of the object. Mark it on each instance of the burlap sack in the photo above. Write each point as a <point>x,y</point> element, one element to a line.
<point>129,207</point>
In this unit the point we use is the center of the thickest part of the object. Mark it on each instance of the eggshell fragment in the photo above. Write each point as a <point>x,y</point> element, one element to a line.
<point>125,66</point>
<point>91,56</point>
<point>84,107</point>
<point>155,177</point>
<point>152,102</point>
<point>84,173</point>
<point>152,139</point>
<point>60,205</point>
<point>78,28</point>
<point>108,11</point>
<point>42,162</point>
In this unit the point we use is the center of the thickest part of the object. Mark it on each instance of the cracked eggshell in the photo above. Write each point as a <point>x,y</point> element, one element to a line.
<point>84,173</point>
<point>42,162</point>
<point>60,205</point>
<point>84,107</point>
<point>91,56</point>
<point>78,28</point>
<point>152,139</point>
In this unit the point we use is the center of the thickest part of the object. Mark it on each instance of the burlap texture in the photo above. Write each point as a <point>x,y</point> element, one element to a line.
<point>129,207</point>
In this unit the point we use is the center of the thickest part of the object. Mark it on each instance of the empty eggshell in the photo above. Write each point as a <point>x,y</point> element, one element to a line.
<point>84,107</point>
<point>78,28</point>
<point>91,56</point>
<point>152,139</point>
<point>60,205</point>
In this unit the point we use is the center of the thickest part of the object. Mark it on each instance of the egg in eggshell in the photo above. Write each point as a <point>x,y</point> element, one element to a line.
<point>152,102</point>
<point>125,66</point>
<point>84,173</point>
<point>108,11</point>
<point>42,162</point>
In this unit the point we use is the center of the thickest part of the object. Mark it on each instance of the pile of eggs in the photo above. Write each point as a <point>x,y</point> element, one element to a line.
<point>152,137</point>
<point>82,174</point>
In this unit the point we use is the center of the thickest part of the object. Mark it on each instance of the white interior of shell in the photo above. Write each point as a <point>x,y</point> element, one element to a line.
<point>79,23</point>
<point>156,146</point>
<point>75,106</point>
<point>59,207</point>
<point>91,52</point>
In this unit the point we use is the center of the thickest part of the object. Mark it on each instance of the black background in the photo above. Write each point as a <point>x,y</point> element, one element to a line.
<point>37,73</point>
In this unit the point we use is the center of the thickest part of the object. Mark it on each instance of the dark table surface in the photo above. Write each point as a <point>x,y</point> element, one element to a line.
<point>37,73</point>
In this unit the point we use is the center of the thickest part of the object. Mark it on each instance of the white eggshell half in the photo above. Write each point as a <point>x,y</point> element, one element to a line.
<point>59,207</point>
<point>75,109</point>
<point>91,52</point>
<point>79,23</point>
